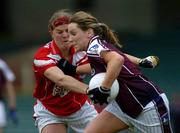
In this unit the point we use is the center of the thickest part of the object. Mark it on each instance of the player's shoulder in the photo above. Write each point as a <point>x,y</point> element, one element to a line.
<point>93,46</point>
<point>42,51</point>
<point>2,64</point>
<point>96,45</point>
<point>79,57</point>
<point>80,54</point>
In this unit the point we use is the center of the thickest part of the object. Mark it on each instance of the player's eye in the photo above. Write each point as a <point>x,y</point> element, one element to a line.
<point>60,32</point>
<point>73,33</point>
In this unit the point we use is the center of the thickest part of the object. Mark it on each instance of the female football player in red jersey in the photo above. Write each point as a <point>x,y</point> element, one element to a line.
<point>56,107</point>
<point>140,105</point>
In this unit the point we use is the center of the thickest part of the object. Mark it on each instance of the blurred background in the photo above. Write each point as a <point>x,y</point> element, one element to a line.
<point>145,27</point>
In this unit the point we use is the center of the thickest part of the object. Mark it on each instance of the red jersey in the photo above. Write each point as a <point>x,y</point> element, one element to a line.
<point>60,102</point>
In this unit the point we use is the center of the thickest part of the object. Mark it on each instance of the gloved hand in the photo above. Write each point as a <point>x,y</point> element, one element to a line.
<point>149,62</point>
<point>13,116</point>
<point>99,95</point>
<point>67,67</point>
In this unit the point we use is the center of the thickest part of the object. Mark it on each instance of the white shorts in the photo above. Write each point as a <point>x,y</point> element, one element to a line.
<point>77,121</point>
<point>3,120</point>
<point>147,122</point>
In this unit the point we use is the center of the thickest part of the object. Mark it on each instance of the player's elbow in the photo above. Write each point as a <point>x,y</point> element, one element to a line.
<point>118,59</point>
<point>64,81</point>
<point>121,60</point>
<point>60,81</point>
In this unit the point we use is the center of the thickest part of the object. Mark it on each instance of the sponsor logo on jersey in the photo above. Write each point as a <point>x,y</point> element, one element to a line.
<point>94,48</point>
<point>60,91</point>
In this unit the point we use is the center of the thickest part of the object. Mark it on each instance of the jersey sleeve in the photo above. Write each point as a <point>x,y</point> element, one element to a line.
<point>42,61</point>
<point>96,47</point>
<point>80,58</point>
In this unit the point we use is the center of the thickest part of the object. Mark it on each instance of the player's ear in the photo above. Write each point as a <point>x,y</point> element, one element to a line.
<point>90,32</point>
<point>50,32</point>
<point>50,29</point>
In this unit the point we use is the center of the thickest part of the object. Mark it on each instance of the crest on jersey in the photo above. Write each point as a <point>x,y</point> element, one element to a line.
<point>94,48</point>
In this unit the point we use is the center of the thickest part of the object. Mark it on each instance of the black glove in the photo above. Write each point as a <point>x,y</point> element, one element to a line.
<point>99,95</point>
<point>13,116</point>
<point>67,67</point>
<point>149,62</point>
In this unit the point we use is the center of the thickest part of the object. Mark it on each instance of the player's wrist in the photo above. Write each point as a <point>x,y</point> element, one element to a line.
<point>87,90</point>
<point>104,90</point>
<point>67,67</point>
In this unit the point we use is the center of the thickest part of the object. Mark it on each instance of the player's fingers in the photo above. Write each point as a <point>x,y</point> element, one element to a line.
<point>154,60</point>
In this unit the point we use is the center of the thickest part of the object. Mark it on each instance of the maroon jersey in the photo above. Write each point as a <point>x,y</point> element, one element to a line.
<point>5,75</point>
<point>2,83</point>
<point>136,90</point>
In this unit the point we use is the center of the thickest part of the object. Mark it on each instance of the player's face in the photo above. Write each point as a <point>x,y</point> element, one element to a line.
<point>78,37</point>
<point>60,36</point>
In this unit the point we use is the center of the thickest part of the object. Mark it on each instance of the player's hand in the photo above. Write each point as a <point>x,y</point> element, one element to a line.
<point>99,95</point>
<point>149,62</point>
<point>67,67</point>
<point>13,116</point>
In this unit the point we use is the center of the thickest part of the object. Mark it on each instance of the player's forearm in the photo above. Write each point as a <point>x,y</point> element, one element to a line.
<point>151,61</point>
<point>83,69</point>
<point>133,59</point>
<point>73,84</point>
<point>60,79</point>
<point>114,65</point>
<point>11,95</point>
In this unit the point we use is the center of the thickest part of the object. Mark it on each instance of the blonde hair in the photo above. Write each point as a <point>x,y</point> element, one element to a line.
<point>85,21</point>
<point>56,15</point>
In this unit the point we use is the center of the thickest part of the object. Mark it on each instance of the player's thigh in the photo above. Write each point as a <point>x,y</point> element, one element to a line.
<point>80,119</point>
<point>54,128</point>
<point>46,121</point>
<point>105,122</point>
<point>155,117</point>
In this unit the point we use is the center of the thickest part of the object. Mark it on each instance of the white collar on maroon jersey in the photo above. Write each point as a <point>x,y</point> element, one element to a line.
<point>93,38</point>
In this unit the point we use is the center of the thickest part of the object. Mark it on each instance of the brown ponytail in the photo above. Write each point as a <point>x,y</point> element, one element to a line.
<point>86,21</point>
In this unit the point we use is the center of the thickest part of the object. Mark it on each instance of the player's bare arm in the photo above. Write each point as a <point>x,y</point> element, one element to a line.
<point>65,81</point>
<point>83,69</point>
<point>114,64</point>
<point>11,94</point>
<point>147,62</point>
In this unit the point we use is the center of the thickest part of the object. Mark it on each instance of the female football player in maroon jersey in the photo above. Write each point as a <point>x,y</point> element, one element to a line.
<point>7,89</point>
<point>57,107</point>
<point>140,105</point>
